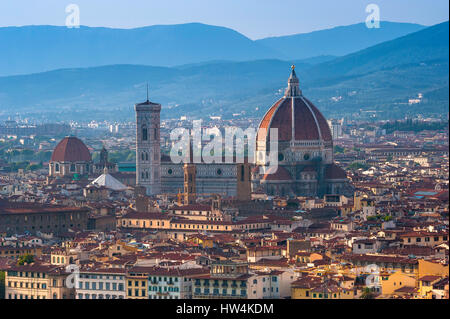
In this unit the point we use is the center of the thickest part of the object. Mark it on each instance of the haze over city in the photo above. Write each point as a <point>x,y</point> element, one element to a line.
<point>229,157</point>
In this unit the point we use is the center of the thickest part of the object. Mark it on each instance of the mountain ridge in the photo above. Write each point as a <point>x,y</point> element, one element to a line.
<point>342,86</point>
<point>56,47</point>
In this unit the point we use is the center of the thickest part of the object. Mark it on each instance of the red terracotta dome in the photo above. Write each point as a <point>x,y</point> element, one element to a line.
<point>71,149</point>
<point>295,115</point>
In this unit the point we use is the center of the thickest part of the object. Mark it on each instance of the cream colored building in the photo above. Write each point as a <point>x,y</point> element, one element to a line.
<point>37,281</point>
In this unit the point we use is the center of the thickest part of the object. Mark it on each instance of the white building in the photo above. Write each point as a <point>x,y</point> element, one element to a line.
<point>101,284</point>
<point>272,284</point>
<point>336,128</point>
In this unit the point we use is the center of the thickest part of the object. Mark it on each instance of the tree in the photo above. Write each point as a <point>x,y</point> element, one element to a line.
<point>338,149</point>
<point>367,294</point>
<point>25,259</point>
<point>2,285</point>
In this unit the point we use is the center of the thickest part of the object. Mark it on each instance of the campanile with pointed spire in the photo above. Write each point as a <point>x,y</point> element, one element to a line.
<point>148,148</point>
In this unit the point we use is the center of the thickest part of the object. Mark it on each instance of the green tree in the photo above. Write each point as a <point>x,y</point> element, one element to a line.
<point>2,285</point>
<point>338,149</point>
<point>25,259</point>
<point>367,294</point>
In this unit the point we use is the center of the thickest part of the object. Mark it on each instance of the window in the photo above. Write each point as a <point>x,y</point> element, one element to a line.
<point>144,134</point>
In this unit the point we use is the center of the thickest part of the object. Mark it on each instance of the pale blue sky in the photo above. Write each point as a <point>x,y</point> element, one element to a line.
<point>253,18</point>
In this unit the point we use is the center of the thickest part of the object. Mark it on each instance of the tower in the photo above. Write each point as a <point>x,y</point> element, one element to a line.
<point>148,158</point>
<point>103,156</point>
<point>189,183</point>
<point>243,183</point>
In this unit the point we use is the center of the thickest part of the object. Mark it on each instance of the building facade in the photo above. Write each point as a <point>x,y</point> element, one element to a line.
<point>19,218</point>
<point>37,281</point>
<point>101,284</point>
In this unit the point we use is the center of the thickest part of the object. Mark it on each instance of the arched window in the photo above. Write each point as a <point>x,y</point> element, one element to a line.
<point>146,156</point>
<point>57,167</point>
<point>72,167</point>
<point>142,156</point>
<point>144,133</point>
<point>143,175</point>
<point>146,174</point>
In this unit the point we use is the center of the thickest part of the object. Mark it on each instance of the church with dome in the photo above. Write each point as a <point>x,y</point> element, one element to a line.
<point>305,164</point>
<point>305,149</point>
<point>305,155</point>
<point>70,157</point>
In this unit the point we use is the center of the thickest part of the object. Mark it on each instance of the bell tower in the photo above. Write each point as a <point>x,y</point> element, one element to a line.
<point>189,183</point>
<point>243,182</point>
<point>148,148</point>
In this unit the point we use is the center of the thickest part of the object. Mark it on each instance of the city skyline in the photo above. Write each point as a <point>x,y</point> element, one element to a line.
<point>225,175</point>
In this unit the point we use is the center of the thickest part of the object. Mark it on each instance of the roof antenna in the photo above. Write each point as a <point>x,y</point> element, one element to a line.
<point>147,91</point>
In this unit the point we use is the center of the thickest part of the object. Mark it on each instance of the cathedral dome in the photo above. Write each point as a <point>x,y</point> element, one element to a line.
<point>71,149</point>
<point>295,117</point>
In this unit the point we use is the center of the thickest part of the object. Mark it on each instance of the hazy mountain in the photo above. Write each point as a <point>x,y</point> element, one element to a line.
<point>337,41</point>
<point>418,47</point>
<point>382,77</point>
<point>32,49</point>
